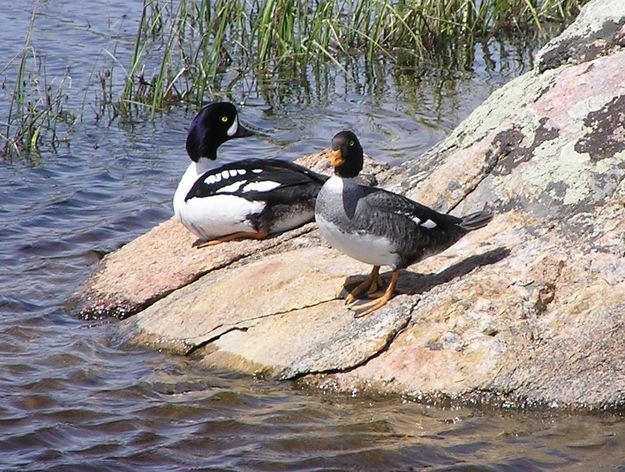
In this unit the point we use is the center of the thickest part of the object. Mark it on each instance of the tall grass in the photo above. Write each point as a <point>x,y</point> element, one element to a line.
<point>198,39</point>
<point>36,107</point>
<point>183,49</point>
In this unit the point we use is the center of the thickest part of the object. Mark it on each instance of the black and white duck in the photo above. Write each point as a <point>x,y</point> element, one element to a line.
<point>379,227</point>
<point>247,199</point>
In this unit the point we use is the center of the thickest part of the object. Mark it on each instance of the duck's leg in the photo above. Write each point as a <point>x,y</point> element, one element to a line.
<point>370,284</point>
<point>378,303</point>
<point>232,237</point>
<point>374,289</point>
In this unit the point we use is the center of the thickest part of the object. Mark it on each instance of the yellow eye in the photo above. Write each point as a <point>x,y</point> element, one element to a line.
<point>224,119</point>
<point>351,144</point>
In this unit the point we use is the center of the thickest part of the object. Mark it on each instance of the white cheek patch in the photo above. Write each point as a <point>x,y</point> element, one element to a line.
<point>231,188</point>
<point>233,128</point>
<point>263,186</point>
<point>429,224</point>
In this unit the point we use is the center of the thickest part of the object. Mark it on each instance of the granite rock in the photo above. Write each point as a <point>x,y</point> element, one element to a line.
<point>526,311</point>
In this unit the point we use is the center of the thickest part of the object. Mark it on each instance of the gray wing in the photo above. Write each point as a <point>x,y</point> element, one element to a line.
<point>414,229</point>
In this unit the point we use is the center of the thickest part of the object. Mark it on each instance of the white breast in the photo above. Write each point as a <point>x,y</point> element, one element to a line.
<point>186,182</point>
<point>212,216</point>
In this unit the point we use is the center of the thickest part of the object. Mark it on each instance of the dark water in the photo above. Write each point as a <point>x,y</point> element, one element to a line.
<point>70,401</point>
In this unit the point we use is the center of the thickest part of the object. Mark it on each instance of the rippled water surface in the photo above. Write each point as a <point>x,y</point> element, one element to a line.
<point>70,401</point>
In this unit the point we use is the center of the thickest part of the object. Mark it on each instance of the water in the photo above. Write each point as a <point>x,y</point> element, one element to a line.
<point>71,401</point>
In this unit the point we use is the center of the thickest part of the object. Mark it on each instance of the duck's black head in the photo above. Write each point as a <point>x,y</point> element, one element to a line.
<point>215,124</point>
<point>346,156</point>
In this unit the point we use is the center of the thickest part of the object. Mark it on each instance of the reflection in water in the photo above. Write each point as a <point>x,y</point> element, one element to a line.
<point>71,401</point>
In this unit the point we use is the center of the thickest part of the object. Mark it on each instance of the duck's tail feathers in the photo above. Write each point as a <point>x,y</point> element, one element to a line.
<point>476,220</point>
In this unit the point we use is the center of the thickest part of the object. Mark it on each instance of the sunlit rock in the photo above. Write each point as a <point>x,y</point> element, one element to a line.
<point>526,311</point>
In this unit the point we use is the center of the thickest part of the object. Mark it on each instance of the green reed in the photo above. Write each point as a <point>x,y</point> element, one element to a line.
<point>192,41</point>
<point>37,105</point>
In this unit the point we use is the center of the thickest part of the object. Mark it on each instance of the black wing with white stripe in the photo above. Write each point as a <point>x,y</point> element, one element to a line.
<point>270,180</point>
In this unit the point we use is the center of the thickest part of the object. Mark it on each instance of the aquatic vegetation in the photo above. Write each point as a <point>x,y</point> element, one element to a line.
<point>37,107</point>
<point>186,44</point>
<point>187,51</point>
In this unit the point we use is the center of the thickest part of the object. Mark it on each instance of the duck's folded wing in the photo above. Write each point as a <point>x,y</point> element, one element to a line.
<point>269,180</point>
<point>382,202</point>
<point>414,230</point>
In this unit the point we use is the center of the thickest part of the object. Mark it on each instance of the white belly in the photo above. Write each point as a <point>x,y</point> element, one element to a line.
<point>373,250</point>
<point>218,215</point>
<point>213,216</point>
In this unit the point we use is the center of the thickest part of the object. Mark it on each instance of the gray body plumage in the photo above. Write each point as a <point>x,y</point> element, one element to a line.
<point>382,228</point>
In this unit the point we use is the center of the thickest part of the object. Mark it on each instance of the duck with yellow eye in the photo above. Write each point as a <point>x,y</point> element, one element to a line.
<point>245,199</point>
<point>379,227</point>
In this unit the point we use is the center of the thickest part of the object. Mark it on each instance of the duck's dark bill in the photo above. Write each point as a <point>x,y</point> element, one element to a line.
<point>242,132</point>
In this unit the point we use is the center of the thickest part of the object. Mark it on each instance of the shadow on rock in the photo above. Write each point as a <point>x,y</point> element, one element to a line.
<point>413,283</point>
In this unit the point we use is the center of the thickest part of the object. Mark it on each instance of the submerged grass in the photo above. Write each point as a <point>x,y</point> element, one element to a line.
<point>192,41</point>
